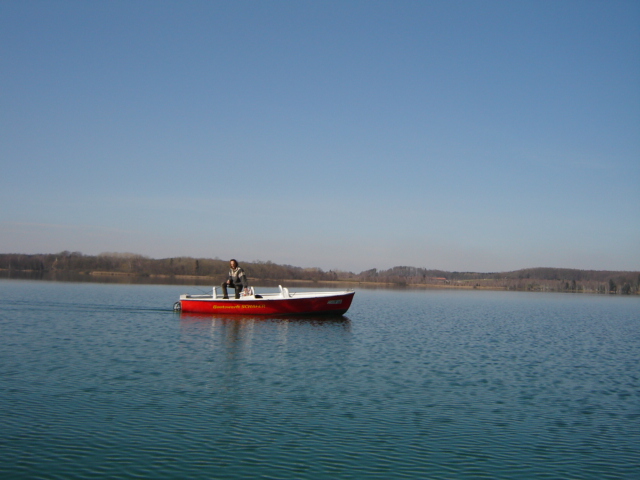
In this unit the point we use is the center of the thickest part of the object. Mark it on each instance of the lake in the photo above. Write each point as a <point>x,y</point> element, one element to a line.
<point>105,381</point>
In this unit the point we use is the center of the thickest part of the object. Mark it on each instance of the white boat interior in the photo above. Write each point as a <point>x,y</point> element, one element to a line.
<point>283,293</point>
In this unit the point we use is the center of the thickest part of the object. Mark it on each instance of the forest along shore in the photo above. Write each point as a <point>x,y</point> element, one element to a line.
<point>133,268</point>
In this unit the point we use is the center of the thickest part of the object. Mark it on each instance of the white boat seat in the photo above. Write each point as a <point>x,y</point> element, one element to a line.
<point>284,292</point>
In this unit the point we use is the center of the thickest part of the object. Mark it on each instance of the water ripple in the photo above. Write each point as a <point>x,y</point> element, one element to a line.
<point>100,383</point>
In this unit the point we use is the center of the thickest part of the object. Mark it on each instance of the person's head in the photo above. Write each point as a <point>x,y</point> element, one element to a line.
<point>233,263</point>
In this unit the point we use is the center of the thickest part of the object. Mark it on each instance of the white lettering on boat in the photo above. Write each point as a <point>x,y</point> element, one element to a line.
<point>334,302</point>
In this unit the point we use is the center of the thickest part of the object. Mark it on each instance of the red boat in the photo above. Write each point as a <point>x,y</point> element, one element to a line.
<point>282,303</point>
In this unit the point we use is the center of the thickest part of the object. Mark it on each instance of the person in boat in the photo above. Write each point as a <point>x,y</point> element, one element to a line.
<point>236,279</point>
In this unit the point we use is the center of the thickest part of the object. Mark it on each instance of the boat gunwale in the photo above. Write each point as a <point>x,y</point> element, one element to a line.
<point>267,296</point>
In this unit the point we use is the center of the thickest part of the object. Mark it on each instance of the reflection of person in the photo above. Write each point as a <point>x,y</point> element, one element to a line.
<point>236,279</point>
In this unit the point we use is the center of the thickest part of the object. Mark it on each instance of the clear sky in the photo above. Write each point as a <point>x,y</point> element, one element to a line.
<point>458,135</point>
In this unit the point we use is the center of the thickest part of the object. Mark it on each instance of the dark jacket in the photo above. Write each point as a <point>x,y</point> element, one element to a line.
<point>238,277</point>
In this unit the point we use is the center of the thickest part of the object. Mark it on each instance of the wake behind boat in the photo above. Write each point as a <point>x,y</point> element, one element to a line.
<point>282,303</point>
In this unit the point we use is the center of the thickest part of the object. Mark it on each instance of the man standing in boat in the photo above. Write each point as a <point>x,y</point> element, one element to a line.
<point>236,279</point>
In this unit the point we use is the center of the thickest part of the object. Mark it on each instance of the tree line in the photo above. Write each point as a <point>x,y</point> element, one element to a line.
<point>530,279</point>
<point>134,264</point>
<point>215,270</point>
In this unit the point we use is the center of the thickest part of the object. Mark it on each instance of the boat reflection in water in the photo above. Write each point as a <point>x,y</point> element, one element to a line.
<point>261,339</point>
<point>319,320</point>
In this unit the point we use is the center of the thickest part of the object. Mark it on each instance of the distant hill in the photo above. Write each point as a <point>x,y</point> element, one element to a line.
<point>215,270</point>
<point>530,279</point>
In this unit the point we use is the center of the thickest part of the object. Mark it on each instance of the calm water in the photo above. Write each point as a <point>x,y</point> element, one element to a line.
<point>105,381</point>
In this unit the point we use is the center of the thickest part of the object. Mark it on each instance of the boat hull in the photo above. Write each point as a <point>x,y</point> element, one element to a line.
<point>336,304</point>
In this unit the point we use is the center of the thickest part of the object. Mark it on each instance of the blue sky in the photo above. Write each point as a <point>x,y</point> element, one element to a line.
<point>458,135</point>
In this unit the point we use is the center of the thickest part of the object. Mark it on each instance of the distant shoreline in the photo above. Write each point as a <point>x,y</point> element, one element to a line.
<point>199,280</point>
<point>132,268</point>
